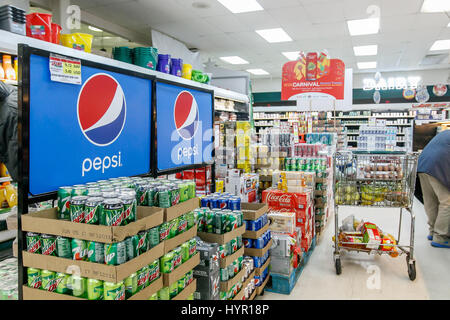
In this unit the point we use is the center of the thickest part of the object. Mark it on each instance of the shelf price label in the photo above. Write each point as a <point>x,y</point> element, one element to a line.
<point>64,69</point>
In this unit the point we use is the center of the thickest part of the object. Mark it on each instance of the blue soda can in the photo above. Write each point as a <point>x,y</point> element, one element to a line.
<point>258,243</point>
<point>205,202</point>
<point>248,243</point>
<point>257,262</point>
<point>214,203</point>
<point>258,224</point>
<point>234,203</point>
<point>223,203</point>
<point>251,225</point>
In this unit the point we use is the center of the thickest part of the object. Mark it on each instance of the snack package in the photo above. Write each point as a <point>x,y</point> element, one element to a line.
<point>371,235</point>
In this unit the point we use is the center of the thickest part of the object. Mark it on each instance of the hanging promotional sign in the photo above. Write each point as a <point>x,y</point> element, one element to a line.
<point>86,132</point>
<point>184,126</point>
<point>313,75</point>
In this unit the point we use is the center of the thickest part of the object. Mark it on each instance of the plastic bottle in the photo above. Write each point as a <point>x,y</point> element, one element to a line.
<point>11,195</point>
<point>10,74</point>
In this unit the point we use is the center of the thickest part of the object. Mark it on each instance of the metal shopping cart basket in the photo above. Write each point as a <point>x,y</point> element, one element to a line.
<point>380,180</point>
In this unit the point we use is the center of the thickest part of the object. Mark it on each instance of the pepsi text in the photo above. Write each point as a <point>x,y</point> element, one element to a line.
<point>98,163</point>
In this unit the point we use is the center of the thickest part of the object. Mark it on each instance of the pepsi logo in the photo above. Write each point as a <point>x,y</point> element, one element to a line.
<point>101,109</point>
<point>185,115</point>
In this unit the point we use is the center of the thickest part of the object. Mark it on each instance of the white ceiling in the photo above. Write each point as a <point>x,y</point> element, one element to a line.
<point>404,39</point>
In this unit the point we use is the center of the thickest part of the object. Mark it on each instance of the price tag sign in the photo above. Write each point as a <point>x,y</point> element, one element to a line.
<point>64,69</point>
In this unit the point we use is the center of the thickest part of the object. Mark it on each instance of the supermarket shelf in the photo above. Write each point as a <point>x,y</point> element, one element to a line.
<point>276,109</point>
<point>233,111</point>
<point>395,117</point>
<point>399,125</point>
<point>9,43</point>
<point>353,117</point>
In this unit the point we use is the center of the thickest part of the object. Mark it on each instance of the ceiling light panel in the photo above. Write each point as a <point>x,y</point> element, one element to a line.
<point>291,55</point>
<point>363,26</point>
<point>258,72</point>
<point>240,6</point>
<point>432,6</point>
<point>367,65</point>
<point>274,35</point>
<point>371,50</point>
<point>440,45</point>
<point>234,60</point>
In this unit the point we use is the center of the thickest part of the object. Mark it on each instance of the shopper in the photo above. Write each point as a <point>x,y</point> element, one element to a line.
<point>434,173</point>
<point>8,128</point>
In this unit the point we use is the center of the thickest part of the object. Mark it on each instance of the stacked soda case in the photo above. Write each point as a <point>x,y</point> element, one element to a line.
<point>93,289</point>
<point>9,279</point>
<point>245,285</point>
<point>207,271</point>
<point>170,292</point>
<point>226,150</point>
<point>201,177</point>
<point>243,185</point>
<point>179,255</point>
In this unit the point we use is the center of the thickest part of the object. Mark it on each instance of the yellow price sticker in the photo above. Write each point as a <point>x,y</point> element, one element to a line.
<point>71,68</point>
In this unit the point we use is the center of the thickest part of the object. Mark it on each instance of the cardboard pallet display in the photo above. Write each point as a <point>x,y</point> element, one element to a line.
<point>252,297</point>
<point>224,262</point>
<point>190,289</point>
<point>258,252</point>
<point>91,269</point>
<point>225,286</point>
<point>222,238</point>
<point>260,289</point>
<point>170,244</point>
<point>253,211</point>
<point>175,275</point>
<point>260,270</point>
<point>152,288</point>
<point>241,293</point>
<point>181,208</point>
<point>46,221</point>
<point>256,234</point>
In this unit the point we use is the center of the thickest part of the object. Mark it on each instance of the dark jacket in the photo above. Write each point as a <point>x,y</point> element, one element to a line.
<point>435,158</point>
<point>8,129</point>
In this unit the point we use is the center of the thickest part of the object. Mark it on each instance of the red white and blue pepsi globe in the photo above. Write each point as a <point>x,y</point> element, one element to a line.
<point>185,115</point>
<point>101,109</point>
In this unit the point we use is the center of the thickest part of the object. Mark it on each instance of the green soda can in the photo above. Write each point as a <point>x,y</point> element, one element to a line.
<point>181,283</point>
<point>96,252</point>
<point>48,280</point>
<point>142,242</point>
<point>184,191</point>
<point>154,296</point>
<point>209,221</point>
<point>166,263</point>
<point>164,294</point>
<point>129,209</point>
<point>240,217</point>
<point>152,237</point>
<point>232,222</point>
<point>173,225</point>
<point>219,222</point>
<point>131,285</point>
<point>164,230</point>
<point>185,252</point>
<point>94,289</point>
<point>34,278</point>
<point>64,194</point>
<point>115,253</point>
<point>230,270</point>
<point>77,209</point>
<point>33,242</point>
<point>191,187</point>
<point>224,274</point>
<point>142,278</point>
<point>62,283</point>
<point>190,216</point>
<point>93,210</point>
<point>189,277</point>
<point>199,220</point>
<point>151,196</point>
<point>174,193</point>
<point>114,291</point>
<point>192,247</point>
<point>154,270</point>
<point>93,190</point>
<point>79,190</point>
<point>48,243</point>
<point>79,249</point>
<point>132,247</point>
<point>233,246</point>
<point>113,212</point>
<point>182,223</point>
<point>239,241</point>
<point>63,247</point>
<point>142,193</point>
<point>163,196</point>
<point>177,258</point>
<point>173,290</point>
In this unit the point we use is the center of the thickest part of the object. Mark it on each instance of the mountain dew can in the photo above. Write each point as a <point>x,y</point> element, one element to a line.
<point>167,263</point>
<point>185,252</point>
<point>164,230</point>
<point>129,209</point>
<point>142,242</point>
<point>131,285</point>
<point>48,244</point>
<point>114,291</point>
<point>34,278</point>
<point>132,247</point>
<point>164,294</point>
<point>62,283</point>
<point>142,193</point>
<point>64,194</point>
<point>152,237</point>
<point>94,289</point>
<point>191,188</point>
<point>79,286</point>
<point>184,191</point>
<point>142,278</point>
<point>79,190</point>
<point>93,210</point>
<point>182,223</point>
<point>173,290</point>
<point>48,280</point>
<point>34,242</point>
<point>77,210</point>
<point>112,212</point>
<point>163,196</point>
<point>173,228</point>
<point>190,217</point>
<point>192,247</point>
<point>153,297</point>
<point>181,283</point>
<point>177,258</point>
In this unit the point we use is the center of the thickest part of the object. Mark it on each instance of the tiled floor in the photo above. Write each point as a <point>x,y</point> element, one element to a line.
<point>375,277</point>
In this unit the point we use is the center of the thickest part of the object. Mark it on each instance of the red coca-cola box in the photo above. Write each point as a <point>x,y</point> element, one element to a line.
<point>278,199</point>
<point>189,174</point>
<point>306,242</point>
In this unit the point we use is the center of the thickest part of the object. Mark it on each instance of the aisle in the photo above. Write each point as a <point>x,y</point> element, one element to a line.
<point>374,277</point>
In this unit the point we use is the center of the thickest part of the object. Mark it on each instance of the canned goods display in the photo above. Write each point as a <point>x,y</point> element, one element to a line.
<point>63,247</point>
<point>79,249</point>
<point>33,242</point>
<point>93,210</point>
<point>77,208</point>
<point>64,195</point>
<point>115,253</point>
<point>112,214</point>
<point>48,243</point>
<point>96,252</point>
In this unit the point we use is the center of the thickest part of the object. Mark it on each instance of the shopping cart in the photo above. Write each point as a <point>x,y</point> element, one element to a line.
<point>380,180</point>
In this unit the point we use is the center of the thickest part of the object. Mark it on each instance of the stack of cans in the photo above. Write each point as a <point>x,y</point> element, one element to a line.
<point>231,270</point>
<point>9,279</point>
<point>259,243</point>
<point>255,225</point>
<point>221,201</point>
<point>230,247</point>
<point>175,288</point>
<point>172,228</point>
<point>173,259</point>
<point>258,262</point>
<point>217,220</point>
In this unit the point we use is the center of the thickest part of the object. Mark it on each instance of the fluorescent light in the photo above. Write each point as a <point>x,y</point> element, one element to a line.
<point>448,25</point>
<point>234,60</point>
<point>367,65</point>
<point>258,72</point>
<point>371,50</point>
<point>363,26</point>
<point>239,6</point>
<point>430,6</point>
<point>440,45</point>
<point>95,29</point>
<point>291,55</point>
<point>274,35</point>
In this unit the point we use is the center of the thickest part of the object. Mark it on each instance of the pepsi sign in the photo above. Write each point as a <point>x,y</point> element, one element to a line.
<point>93,131</point>
<point>184,126</point>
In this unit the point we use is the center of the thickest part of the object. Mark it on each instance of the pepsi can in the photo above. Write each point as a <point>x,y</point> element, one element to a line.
<point>248,243</point>
<point>234,203</point>
<point>258,243</point>
<point>251,225</point>
<point>205,202</point>
<point>257,262</point>
<point>223,203</point>
<point>214,203</point>
<point>258,224</point>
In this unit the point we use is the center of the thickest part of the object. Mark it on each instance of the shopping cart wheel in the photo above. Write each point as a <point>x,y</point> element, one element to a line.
<point>337,263</point>
<point>411,270</point>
